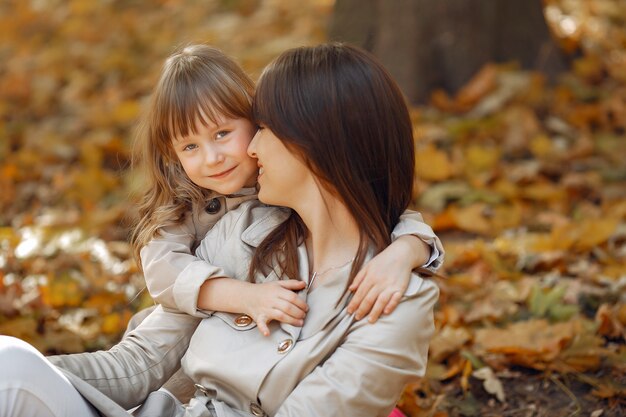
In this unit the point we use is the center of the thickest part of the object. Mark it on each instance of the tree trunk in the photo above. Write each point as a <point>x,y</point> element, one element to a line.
<point>429,44</point>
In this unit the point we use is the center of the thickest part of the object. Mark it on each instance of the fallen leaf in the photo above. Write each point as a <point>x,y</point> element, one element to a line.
<point>448,340</point>
<point>432,164</point>
<point>491,383</point>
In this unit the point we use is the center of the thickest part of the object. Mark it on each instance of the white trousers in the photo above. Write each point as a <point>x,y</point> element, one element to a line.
<point>32,386</point>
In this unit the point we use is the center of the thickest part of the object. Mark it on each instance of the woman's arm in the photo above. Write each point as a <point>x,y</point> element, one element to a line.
<point>140,363</point>
<point>365,375</point>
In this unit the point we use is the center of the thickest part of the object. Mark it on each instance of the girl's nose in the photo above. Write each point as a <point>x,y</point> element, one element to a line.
<point>213,157</point>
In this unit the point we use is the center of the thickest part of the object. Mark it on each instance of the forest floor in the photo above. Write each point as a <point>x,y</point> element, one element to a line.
<point>523,179</point>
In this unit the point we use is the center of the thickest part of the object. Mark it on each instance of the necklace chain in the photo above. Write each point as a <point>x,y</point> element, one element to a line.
<point>316,274</point>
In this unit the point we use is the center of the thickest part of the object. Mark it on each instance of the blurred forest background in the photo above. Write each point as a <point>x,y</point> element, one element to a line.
<point>520,169</point>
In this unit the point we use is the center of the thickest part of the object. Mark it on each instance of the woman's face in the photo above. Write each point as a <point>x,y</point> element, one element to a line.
<point>282,175</point>
<point>216,157</point>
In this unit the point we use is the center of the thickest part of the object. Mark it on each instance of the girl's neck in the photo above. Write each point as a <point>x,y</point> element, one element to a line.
<point>333,237</point>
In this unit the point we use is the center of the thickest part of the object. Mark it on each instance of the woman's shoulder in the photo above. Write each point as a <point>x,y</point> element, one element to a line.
<point>416,307</point>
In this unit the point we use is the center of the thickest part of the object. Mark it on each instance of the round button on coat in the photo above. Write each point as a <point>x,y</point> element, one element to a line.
<point>243,320</point>
<point>214,206</point>
<point>256,410</point>
<point>285,346</point>
<point>202,389</point>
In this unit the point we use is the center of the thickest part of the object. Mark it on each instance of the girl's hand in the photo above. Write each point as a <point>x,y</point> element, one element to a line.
<point>380,284</point>
<point>276,300</point>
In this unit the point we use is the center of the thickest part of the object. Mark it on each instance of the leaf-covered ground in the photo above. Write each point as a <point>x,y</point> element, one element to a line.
<point>525,182</point>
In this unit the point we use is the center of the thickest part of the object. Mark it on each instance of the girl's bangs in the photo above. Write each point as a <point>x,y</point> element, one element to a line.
<point>183,109</point>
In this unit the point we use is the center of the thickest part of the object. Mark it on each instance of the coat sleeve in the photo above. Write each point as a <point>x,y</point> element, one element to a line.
<point>412,223</point>
<point>365,375</point>
<point>140,363</point>
<point>186,289</point>
<point>167,256</point>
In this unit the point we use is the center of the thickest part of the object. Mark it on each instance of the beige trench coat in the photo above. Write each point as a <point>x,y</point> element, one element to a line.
<point>173,272</point>
<point>163,258</point>
<point>332,365</point>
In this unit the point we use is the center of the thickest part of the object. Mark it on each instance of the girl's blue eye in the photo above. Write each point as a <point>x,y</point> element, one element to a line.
<point>190,147</point>
<point>221,134</point>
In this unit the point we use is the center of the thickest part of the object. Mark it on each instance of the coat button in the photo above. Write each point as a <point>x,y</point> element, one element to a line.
<point>256,410</point>
<point>285,345</point>
<point>204,390</point>
<point>214,206</point>
<point>243,320</point>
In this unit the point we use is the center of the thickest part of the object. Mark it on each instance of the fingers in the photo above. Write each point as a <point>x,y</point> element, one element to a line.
<point>291,297</point>
<point>375,304</point>
<point>379,305</point>
<point>360,276</point>
<point>359,298</point>
<point>393,302</point>
<point>292,284</point>
<point>284,317</point>
<point>297,311</point>
<point>366,305</point>
<point>261,324</point>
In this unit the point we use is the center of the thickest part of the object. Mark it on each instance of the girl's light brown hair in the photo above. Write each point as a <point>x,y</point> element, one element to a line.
<point>337,108</point>
<point>197,82</point>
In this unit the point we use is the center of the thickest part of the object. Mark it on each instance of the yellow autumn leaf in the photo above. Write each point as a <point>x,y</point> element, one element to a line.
<point>111,323</point>
<point>541,146</point>
<point>486,219</point>
<point>472,218</point>
<point>431,164</point>
<point>126,111</point>
<point>62,292</point>
<point>592,232</point>
<point>543,191</point>
<point>481,158</point>
<point>583,235</point>
<point>447,341</point>
<point>532,336</point>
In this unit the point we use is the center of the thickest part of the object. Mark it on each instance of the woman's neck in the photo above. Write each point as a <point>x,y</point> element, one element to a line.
<point>333,238</point>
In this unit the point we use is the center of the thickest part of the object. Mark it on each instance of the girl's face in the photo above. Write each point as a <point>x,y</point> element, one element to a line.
<point>282,175</point>
<point>215,158</point>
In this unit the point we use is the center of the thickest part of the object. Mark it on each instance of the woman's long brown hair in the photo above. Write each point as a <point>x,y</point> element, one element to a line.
<point>338,108</point>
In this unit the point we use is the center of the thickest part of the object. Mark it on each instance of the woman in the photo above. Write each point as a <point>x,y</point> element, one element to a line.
<point>335,147</point>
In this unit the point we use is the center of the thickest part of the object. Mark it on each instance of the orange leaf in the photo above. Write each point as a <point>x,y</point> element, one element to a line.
<point>478,87</point>
<point>432,164</point>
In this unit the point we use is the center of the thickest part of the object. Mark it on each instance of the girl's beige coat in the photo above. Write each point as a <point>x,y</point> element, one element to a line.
<point>333,365</point>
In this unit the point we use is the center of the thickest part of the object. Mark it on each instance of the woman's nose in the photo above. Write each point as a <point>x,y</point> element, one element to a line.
<point>252,145</point>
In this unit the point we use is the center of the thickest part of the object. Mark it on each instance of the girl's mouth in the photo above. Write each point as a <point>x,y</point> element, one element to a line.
<point>222,174</point>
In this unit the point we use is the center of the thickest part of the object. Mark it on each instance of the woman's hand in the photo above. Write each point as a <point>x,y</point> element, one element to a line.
<point>380,284</point>
<point>276,300</point>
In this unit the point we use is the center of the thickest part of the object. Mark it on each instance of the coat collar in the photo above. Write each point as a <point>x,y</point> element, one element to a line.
<point>259,229</point>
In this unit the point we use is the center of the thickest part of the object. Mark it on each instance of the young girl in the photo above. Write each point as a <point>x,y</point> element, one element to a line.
<point>193,143</point>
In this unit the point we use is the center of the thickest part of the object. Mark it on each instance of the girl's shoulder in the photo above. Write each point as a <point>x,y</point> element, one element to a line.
<point>251,220</point>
